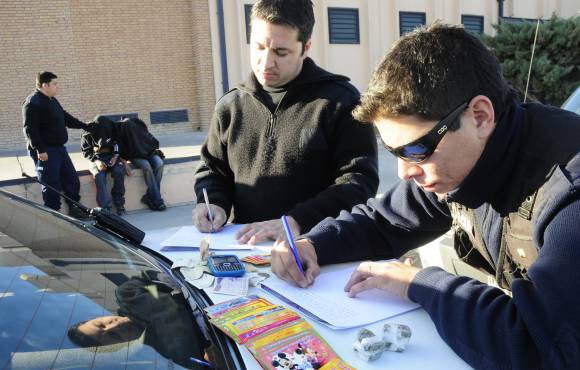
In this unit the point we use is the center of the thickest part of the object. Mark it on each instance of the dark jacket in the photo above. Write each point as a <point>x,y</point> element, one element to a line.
<point>539,326</point>
<point>308,159</point>
<point>135,139</point>
<point>169,327</point>
<point>45,122</point>
<point>99,137</point>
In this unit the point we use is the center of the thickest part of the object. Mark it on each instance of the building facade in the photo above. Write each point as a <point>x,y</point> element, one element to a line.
<point>351,36</point>
<point>168,61</point>
<point>114,57</point>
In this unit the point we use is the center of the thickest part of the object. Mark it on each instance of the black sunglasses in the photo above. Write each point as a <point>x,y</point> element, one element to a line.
<point>419,150</point>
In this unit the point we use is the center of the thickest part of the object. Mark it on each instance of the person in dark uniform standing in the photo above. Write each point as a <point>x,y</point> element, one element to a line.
<point>45,123</point>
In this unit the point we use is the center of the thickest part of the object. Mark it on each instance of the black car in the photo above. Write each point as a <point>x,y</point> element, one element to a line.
<point>75,296</point>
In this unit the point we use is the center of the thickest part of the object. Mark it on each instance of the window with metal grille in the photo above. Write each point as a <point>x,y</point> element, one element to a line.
<point>473,23</point>
<point>169,116</point>
<point>343,26</point>
<point>408,21</point>
<point>247,16</point>
<point>120,116</point>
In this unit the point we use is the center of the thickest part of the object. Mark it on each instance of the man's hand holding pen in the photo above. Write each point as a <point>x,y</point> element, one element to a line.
<point>257,232</point>
<point>202,221</point>
<point>285,267</point>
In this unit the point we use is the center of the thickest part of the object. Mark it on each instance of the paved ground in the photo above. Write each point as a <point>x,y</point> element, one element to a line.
<point>173,216</point>
<point>174,146</point>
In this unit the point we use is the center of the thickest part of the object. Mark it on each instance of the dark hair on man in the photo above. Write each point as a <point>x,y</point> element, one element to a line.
<point>79,338</point>
<point>44,77</point>
<point>91,344</point>
<point>293,13</point>
<point>431,71</point>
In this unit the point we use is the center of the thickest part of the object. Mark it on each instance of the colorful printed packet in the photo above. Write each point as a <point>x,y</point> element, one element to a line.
<point>217,309</point>
<point>237,311</point>
<point>300,349</point>
<point>250,318</point>
<point>275,335</point>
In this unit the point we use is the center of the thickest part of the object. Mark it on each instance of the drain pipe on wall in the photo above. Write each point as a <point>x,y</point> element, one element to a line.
<point>499,10</point>
<point>223,53</point>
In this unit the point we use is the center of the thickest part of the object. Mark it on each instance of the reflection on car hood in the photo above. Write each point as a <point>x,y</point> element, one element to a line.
<point>65,284</point>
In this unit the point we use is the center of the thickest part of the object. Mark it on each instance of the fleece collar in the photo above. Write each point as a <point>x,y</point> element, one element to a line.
<point>310,73</point>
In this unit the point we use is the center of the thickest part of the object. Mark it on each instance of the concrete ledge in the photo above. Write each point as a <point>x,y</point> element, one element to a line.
<point>176,186</point>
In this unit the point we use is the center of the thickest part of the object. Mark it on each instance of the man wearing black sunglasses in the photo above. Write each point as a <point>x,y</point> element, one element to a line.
<point>417,151</point>
<point>504,176</point>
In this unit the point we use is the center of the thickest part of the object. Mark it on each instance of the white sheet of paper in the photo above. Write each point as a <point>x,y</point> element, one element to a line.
<point>188,237</point>
<point>231,285</point>
<point>327,300</point>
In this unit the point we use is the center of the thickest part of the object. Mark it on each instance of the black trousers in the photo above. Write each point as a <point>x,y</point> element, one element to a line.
<point>58,172</point>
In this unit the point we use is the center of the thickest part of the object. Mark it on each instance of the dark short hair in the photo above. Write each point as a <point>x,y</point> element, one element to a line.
<point>431,71</point>
<point>297,14</point>
<point>44,77</point>
<point>79,338</point>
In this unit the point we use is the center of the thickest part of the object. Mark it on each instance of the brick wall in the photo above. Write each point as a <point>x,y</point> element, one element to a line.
<point>111,57</point>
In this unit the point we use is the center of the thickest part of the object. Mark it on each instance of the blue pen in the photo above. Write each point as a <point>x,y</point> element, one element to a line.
<point>291,243</point>
<point>201,362</point>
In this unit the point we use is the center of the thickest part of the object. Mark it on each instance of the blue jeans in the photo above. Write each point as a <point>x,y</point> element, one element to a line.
<point>118,190</point>
<point>59,173</point>
<point>152,173</point>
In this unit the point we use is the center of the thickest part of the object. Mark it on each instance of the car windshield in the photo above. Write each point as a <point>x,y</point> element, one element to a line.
<point>72,296</point>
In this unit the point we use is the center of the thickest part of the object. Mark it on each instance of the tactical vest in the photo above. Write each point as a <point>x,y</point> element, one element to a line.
<point>517,250</point>
<point>550,138</point>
